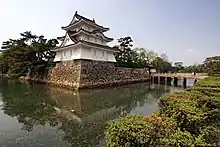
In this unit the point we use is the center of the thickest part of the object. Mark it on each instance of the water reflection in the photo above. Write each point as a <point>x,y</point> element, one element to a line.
<point>69,118</point>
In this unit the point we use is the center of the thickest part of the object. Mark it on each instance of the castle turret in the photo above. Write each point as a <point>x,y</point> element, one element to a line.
<point>84,39</point>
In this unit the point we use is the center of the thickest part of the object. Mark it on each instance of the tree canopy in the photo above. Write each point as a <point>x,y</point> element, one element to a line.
<point>132,57</point>
<point>140,57</point>
<point>212,64</point>
<point>162,64</point>
<point>30,53</point>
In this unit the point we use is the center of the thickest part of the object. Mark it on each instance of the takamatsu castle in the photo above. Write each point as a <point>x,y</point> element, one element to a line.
<point>84,60</point>
<point>84,39</point>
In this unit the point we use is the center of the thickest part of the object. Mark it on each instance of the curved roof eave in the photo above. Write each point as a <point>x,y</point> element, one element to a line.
<point>63,47</point>
<point>61,38</point>
<point>87,32</point>
<point>98,45</point>
<point>86,43</point>
<point>80,21</point>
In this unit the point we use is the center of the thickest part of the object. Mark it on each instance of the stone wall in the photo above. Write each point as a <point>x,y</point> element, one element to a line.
<point>79,74</point>
<point>101,74</point>
<point>65,74</point>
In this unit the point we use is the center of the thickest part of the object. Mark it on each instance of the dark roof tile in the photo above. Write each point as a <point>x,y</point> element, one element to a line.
<point>98,45</point>
<point>89,43</point>
<point>80,17</point>
<point>93,32</point>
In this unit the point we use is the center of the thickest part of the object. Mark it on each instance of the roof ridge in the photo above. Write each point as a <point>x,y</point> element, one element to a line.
<point>80,17</point>
<point>82,29</point>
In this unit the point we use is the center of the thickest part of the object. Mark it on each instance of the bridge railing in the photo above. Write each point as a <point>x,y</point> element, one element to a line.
<point>181,74</point>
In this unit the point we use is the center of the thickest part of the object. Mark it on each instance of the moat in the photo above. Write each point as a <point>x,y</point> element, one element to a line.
<point>36,115</point>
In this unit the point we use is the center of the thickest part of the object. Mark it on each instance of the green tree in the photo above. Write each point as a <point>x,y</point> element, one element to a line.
<point>1,63</point>
<point>146,55</point>
<point>200,68</point>
<point>157,63</point>
<point>164,57</point>
<point>137,57</point>
<point>166,67</point>
<point>212,64</point>
<point>30,53</point>
<point>194,68</point>
<point>124,53</point>
<point>178,66</point>
<point>125,56</point>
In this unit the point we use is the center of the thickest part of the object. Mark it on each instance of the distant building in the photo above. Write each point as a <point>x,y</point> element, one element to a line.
<point>153,71</point>
<point>84,39</point>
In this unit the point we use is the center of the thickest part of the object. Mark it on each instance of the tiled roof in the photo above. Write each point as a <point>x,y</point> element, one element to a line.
<point>61,38</point>
<point>93,32</point>
<point>89,43</point>
<point>80,17</point>
<point>98,45</point>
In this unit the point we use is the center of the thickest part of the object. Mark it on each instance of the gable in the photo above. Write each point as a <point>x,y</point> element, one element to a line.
<point>75,19</point>
<point>67,41</point>
<point>102,36</point>
<point>99,35</point>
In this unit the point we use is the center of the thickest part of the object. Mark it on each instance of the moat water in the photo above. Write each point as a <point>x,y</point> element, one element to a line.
<point>34,115</point>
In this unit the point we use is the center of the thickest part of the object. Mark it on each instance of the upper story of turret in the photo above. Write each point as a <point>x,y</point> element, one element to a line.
<point>81,28</point>
<point>84,39</point>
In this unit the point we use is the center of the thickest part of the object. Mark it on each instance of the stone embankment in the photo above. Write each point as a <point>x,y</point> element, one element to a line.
<point>78,74</point>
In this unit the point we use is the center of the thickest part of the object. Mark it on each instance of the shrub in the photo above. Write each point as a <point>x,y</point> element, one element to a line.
<point>135,130</point>
<point>152,131</point>
<point>185,113</point>
<point>190,118</point>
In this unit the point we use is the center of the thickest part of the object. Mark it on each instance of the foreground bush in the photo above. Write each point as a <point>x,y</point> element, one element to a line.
<point>189,118</point>
<point>136,130</point>
<point>153,131</point>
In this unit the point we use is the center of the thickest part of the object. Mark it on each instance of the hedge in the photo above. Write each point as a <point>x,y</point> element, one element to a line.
<point>189,118</point>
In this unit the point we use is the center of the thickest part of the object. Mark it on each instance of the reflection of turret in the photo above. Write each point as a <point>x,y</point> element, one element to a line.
<point>91,131</point>
<point>68,115</point>
<point>102,115</point>
<point>65,99</point>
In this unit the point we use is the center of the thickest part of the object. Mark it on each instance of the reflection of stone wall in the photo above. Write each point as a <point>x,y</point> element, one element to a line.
<point>90,74</point>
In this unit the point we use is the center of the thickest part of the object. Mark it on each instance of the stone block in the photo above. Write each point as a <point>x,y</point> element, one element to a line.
<point>91,74</point>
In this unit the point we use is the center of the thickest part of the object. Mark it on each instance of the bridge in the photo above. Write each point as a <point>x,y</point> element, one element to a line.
<point>168,78</point>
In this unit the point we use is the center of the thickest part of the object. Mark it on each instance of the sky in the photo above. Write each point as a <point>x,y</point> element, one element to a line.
<point>185,30</point>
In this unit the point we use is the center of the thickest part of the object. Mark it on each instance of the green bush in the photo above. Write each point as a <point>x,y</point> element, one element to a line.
<point>186,114</point>
<point>135,130</point>
<point>190,118</point>
<point>153,131</point>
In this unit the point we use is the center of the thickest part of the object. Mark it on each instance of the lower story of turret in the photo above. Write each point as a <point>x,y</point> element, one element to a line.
<point>74,53</point>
